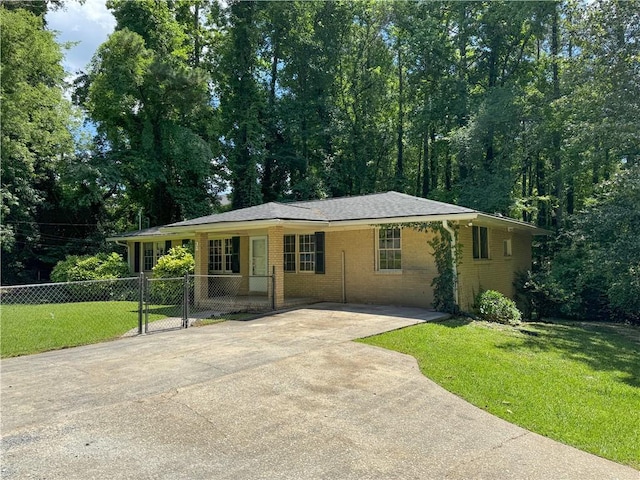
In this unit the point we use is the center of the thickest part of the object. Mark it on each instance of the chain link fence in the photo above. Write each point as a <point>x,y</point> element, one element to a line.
<point>37,318</point>
<point>48,316</point>
<point>212,296</point>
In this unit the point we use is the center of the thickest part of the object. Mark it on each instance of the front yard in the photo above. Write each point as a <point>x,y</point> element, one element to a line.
<point>578,383</point>
<point>30,329</point>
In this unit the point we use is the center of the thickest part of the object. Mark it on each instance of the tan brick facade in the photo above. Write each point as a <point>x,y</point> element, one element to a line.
<point>351,273</point>
<point>359,281</point>
<point>496,273</point>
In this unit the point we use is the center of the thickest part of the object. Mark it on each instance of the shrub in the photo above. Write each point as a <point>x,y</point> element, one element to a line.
<point>495,307</point>
<point>175,264</point>
<point>103,266</point>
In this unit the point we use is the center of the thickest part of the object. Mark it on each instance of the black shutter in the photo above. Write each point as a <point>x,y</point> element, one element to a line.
<point>136,257</point>
<point>167,246</point>
<point>319,252</point>
<point>235,254</point>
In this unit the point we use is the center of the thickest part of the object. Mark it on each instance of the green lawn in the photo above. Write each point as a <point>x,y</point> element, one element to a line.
<point>26,329</point>
<point>578,383</point>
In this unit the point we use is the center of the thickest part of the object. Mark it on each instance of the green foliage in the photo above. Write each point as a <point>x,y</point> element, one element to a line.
<point>35,120</point>
<point>152,105</point>
<point>177,262</point>
<point>595,272</point>
<point>103,266</point>
<point>493,306</point>
<point>445,283</point>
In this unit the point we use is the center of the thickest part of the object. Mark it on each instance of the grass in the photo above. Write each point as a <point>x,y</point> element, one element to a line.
<point>578,383</point>
<point>27,329</point>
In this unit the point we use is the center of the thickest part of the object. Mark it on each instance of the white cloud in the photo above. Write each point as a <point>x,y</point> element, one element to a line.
<point>89,24</point>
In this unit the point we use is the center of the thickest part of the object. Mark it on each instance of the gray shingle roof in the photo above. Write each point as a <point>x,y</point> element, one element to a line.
<point>381,205</point>
<point>365,207</point>
<point>147,232</point>
<point>266,211</point>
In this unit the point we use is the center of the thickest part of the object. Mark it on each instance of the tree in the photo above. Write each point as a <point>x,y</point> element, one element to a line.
<point>595,273</point>
<point>153,112</point>
<point>241,102</point>
<point>35,134</point>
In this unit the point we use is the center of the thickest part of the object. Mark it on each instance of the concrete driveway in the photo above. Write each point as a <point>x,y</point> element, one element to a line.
<point>286,396</point>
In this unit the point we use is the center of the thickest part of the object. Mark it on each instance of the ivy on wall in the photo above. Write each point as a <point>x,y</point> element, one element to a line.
<point>445,282</point>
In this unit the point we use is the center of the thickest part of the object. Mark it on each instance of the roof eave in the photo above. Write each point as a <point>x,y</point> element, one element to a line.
<point>240,225</point>
<point>410,219</point>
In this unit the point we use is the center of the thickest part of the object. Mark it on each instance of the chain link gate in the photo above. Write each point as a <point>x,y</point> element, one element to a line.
<point>180,300</point>
<point>49,316</point>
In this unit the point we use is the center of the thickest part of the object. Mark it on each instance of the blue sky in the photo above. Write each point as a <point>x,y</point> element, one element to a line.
<point>89,24</point>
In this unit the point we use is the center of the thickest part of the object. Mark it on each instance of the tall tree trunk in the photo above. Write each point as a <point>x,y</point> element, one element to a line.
<point>399,180</point>
<point>541,187</point>
<point>433,161</point>
<point>426,181</point>
<point>556,135</point>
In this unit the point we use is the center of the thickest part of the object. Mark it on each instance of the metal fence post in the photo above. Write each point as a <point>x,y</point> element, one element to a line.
<point>140,301</point>
<point>273,288</point>
<point>146,304</point>
<point>185,302</point>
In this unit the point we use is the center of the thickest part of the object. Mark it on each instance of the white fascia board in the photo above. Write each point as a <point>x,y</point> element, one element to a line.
<point>156,237</point>
<point>246,225</point>
<point>508,222</point>
<point>400,220</point>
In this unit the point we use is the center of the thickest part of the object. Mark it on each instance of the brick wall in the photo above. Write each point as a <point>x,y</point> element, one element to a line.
<point>362,283</point>
<point>496,273</point>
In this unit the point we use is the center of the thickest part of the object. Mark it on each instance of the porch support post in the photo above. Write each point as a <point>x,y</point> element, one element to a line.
<point>275,242</point>
<point>201,284</point>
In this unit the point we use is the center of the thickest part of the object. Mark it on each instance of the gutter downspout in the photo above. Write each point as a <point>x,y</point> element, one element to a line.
<point>448,228</point>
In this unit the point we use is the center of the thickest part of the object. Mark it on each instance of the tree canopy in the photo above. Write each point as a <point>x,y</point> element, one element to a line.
<point>522,109</point>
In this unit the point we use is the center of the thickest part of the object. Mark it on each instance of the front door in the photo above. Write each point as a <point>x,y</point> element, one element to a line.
<point>258,268</point>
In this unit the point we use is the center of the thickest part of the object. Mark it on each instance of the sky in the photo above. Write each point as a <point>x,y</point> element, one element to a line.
<point>89,24</point>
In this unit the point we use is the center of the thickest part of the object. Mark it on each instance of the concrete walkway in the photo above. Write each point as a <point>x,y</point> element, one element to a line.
<point>285,396</point>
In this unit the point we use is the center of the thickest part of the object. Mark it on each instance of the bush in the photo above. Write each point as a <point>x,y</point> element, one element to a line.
<point>495,307</point>
<point>103,266</point>
<point>175,264</point>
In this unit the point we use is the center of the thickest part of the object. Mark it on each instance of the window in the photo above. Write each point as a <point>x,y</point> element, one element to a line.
<point>159,248</point>
<point>307,249</point>
<point>480,242</point>
<point>506,248</point>
<point>309,254</point>
<point>389,249</point>
<point>221,255</point>
<point>289,248</point>
<point>148,256</point>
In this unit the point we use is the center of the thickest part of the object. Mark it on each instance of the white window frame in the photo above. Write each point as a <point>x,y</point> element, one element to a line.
<point>478,238</point>
<point>225,254</point>
<point>306,253</point>
<point>288,255</point>
<point>388,246</point>
<point>148,259</point>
